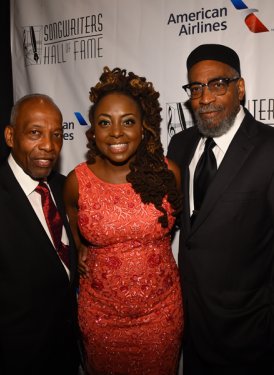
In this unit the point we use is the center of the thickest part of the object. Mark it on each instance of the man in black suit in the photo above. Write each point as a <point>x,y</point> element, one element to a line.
<point>226,254</point>
<point>38,325</point>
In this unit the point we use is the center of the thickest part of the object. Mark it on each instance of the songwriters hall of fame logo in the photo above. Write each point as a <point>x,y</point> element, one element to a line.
<point>176,119</point>
<point>32,42</point>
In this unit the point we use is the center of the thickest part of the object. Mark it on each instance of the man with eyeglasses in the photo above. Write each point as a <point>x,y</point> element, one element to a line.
<point>226,249</point>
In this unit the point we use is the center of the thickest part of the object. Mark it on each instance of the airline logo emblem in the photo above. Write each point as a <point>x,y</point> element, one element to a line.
<point>251,20</point>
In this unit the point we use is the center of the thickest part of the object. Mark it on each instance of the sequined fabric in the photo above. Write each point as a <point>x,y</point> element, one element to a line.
<point>130,308</point>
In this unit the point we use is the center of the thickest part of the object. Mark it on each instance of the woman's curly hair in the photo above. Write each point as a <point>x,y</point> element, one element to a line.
<point>149,175</point>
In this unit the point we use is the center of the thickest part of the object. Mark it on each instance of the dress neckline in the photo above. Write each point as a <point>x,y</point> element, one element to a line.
<point>102,181</point>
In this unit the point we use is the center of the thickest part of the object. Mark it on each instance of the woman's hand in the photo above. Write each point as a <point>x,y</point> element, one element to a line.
<point>82,257</point>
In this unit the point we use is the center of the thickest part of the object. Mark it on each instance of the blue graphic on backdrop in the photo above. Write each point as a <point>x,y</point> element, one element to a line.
<point>80,118</point>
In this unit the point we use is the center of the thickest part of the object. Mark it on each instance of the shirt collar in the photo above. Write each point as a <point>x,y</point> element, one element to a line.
<point>224,140</point>
<point>27,183</point>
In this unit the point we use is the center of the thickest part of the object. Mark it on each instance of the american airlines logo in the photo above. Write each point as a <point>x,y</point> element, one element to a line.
<point>251,20</point>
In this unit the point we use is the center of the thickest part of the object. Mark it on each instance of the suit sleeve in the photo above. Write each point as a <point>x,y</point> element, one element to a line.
<point>173,149</point>
<point>270,198</point>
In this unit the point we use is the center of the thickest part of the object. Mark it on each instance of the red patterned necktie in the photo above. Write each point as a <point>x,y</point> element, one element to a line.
<point>54,221</point>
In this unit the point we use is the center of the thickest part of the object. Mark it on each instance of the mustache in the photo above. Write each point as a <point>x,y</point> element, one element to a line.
<point>209,108</point>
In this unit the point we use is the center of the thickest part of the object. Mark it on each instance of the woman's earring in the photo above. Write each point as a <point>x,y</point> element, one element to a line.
<point>142,136</point>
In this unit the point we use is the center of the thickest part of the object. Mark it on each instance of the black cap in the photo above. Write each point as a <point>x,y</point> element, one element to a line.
<point>216,52</point>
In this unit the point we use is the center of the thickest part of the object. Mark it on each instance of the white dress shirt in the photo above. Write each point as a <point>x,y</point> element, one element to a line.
<point>222,144</point>
<point>29,185</point>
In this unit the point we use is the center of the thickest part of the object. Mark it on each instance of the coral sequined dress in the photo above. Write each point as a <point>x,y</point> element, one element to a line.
<point>130,307</point>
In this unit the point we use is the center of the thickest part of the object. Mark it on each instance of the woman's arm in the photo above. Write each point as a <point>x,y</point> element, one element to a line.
<point>71,196</point>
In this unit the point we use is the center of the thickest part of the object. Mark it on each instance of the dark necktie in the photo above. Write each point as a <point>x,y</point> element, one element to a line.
<point>54,221</point>
<point>204,173</point>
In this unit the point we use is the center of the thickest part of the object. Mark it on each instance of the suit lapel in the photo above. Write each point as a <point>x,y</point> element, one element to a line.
<point>190,148</point>
<point>56,188</point>
<point>25,214</point>
<point>235,157</point>
<point>20,205</point>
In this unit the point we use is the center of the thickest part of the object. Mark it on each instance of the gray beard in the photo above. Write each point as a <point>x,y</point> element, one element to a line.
<point>205,126</point>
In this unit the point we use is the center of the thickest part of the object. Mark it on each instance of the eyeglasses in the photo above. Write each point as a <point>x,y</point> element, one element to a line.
<point>217,86</point>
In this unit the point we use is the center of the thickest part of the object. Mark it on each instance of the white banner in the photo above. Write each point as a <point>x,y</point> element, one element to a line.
<point>59,47</point>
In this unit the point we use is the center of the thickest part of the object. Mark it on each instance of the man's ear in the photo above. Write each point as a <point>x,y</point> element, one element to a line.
<point>241,89</point>
<point>8,133</point>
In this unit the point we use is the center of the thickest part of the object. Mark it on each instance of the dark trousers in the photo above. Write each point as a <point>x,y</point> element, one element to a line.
<point>193,364</point>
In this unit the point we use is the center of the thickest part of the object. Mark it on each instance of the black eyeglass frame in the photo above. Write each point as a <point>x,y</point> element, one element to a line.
<point>202,85</point>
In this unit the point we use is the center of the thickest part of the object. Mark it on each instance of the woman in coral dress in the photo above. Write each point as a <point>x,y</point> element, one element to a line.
<point>122,205</point>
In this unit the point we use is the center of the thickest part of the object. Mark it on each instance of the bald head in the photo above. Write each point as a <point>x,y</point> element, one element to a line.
<point>27,98</point>
<point>35,134</point>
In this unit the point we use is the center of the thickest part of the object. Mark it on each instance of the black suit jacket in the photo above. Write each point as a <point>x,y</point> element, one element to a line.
<point>38,327</point>
<point>226,258</point>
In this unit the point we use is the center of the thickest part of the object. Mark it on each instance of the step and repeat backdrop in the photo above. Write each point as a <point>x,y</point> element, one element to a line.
<point>59,47</point>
